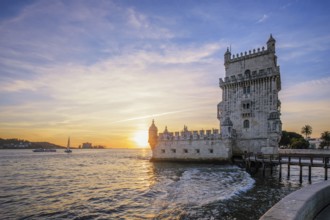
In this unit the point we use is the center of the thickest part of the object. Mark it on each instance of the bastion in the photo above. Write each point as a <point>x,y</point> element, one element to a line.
<point>249,113</point>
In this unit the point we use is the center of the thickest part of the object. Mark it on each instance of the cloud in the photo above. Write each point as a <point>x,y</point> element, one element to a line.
<point>306,103</point>
<point>150,116</point>
<point>137,20</point>
<point>75,32</point>
<point>132,86</point>
<point>263,18</point>
<point>307,91</point>
<point>295,46</point>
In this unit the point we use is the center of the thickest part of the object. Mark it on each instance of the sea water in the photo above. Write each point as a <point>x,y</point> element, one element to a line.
<point>124,184</point>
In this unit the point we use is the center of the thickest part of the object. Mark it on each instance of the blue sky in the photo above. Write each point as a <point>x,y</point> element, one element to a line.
<point>99,71</point>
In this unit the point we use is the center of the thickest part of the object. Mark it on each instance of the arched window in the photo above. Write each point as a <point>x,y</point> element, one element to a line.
<point>246,124</point>
<point>247,73</point>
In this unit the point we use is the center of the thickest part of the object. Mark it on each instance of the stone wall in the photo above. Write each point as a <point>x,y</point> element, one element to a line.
<point>250,108</point>
<point>215,150</point>
<point>306,203</point>
<point>253,145</point>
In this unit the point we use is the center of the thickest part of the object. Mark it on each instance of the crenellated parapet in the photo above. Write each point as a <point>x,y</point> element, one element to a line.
<point>251,66</point>
<point>248,55</point>
<point>231,58</point>
<point>250,75</point>
<point>185,135</point>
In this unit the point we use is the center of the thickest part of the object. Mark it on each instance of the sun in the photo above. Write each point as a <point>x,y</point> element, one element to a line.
<point>141,139</point>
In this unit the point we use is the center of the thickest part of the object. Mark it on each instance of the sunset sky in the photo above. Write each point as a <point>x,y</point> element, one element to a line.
<point>100,71</point>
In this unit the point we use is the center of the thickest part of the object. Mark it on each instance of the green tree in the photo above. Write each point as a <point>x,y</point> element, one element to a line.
<point>325,137</point>
<point>299,143</point>
<point>306,130</point>
<point>287,137</point>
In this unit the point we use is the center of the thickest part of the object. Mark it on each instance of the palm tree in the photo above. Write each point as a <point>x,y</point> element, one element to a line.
<point>306,130</point>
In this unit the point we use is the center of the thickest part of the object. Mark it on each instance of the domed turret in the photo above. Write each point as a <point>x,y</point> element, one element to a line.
<point>153,135</point>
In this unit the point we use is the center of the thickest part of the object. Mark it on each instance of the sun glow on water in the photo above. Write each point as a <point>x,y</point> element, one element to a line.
<point>141,139</point>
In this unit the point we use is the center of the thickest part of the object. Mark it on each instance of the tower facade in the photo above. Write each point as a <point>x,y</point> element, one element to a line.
<point>249,112</point>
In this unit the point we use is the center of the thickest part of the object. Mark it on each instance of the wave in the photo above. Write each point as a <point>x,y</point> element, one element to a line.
<point>201,186</point>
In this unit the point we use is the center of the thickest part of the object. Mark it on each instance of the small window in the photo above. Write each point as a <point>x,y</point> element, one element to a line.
<point>246,104</point>
<point>269,70</point>
<point>173,150</point>
<point>163,151</point>
<point>211,151</point>
<point>197,151</point>
<point>185,150</point>
<point>246,89</point>
<point>246,124</point>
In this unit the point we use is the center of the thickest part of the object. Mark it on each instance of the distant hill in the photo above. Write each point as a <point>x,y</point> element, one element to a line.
<point>45,145</point>
<point>15,143</point>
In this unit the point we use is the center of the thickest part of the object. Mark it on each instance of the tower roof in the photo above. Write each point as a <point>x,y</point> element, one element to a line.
<point>153,126</point>
<point>227,52</point>
<point>270,38</point>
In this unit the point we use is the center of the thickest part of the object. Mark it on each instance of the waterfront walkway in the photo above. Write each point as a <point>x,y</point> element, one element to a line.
<point>309,203</point>
<point>299,157</point>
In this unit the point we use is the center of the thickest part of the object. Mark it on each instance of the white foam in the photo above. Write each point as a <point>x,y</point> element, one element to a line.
<point>200,186</point>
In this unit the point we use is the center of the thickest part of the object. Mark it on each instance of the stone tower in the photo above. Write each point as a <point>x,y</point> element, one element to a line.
<point>249,112</point>
<point>153,135</point>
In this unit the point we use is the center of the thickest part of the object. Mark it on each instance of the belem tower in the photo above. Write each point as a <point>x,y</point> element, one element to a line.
<point>249,113</point>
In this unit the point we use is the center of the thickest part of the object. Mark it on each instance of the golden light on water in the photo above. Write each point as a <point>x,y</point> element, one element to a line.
<point>141,139</point>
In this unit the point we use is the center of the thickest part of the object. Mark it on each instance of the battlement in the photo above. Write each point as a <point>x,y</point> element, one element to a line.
<point>189,135</point>
<point>270,50</point>
<point>251,54</point>
<point>256,74</point>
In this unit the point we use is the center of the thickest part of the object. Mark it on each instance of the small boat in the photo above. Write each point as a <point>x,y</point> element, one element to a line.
<point>68,150</point>
<point>44,150</point>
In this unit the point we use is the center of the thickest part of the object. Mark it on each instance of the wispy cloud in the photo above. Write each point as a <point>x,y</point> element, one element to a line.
<point>151,116</point>
<point>263,18</point>
<point>295,47</point>
<point>306,103</point>
<point>307,91</point>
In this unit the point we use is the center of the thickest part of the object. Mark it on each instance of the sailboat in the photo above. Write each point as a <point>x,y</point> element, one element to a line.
<point>68,150</point>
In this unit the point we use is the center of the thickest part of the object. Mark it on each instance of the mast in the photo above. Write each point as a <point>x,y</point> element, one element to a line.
<point>68,146</point>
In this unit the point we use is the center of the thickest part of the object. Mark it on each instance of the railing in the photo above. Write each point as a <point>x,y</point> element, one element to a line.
<point>301,158</point>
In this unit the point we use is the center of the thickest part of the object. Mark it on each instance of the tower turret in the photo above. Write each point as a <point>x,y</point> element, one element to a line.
<point>271,44</point>
<point>227,57</point>
<point>153,135</point>
<point>226,128</point>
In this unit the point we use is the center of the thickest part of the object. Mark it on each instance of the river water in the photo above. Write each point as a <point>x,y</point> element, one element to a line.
<point>123,184</point>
